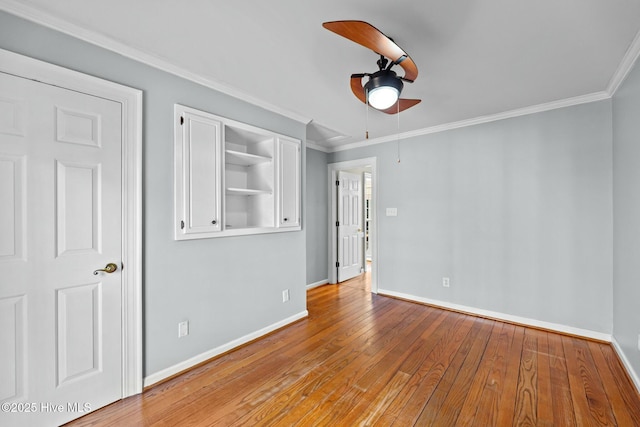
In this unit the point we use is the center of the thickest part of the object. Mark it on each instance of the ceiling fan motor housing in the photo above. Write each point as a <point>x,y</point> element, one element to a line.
<point>383,89</point>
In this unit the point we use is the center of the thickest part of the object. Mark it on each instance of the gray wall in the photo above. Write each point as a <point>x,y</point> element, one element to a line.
<point>316,225</point>
<point>227,287</point>
<point>626,208</point>
<point>517,213</point>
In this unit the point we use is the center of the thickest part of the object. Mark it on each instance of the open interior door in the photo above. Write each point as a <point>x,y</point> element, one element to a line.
<point>350,234</point>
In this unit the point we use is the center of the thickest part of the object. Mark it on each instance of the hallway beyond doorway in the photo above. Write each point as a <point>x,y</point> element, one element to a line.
<point>363,281</point>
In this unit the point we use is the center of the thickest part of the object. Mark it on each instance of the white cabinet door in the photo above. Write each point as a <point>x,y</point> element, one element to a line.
<point>288,183</point>
<point>198,154</point>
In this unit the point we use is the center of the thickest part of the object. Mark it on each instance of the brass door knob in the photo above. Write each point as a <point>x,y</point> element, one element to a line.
<point>109,268</point>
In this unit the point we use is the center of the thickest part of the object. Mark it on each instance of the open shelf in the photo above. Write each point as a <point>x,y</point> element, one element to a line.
<point>245,159</point>
<point>246,192</point>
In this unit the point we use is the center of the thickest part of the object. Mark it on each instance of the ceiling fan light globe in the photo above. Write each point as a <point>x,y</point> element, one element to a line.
<point>383,89</point>
<point>383,97</point>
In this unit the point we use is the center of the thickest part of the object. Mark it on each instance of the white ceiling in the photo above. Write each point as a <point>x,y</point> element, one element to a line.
<point>474,58</point>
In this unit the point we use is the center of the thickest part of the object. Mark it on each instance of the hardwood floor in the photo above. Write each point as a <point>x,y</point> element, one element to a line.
<point>364,359</point>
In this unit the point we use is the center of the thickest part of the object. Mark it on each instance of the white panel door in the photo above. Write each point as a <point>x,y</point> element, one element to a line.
<point>350,234</point>
<point>60,221</point>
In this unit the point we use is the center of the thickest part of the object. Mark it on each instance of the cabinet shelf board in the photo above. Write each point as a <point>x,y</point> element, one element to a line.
<point>241,134</point>
<point>245,159</point>
<point>246,191</point>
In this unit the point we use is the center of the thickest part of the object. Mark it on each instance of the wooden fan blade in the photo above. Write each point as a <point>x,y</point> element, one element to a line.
<point>370,37</point>
<point>358,89</point>
<point>366,35</point>
<point>404,104</point>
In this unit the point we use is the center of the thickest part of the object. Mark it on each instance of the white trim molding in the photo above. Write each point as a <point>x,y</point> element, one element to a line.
<point>317,284</point>
<point>625,66</point>
<point>583,99</point>
<point>627,365</point>
<point>628,60</point>
<point>38,16</point>
<point>131,101</point>
<point>203,357</point>
<point>501,316</point>
<point>314,146</point>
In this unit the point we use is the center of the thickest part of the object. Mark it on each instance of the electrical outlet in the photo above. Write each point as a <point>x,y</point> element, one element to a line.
<point>183,329</point>
<point>445,282</point>
<point>285,295</point>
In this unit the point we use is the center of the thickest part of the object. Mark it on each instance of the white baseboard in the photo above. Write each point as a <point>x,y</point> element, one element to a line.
<point>182,366</point>
<point>502,316</point>
<point>627,365</point>
<point>318,283</point>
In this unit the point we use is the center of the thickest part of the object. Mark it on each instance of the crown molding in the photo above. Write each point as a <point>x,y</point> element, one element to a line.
<point>568,102</point>
<point>40,17</point>
<point>313,145</point>
<point>627,63</point>
<point>47,20</point>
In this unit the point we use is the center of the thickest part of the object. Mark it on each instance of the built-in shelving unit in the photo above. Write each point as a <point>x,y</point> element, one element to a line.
<point>245,178</point>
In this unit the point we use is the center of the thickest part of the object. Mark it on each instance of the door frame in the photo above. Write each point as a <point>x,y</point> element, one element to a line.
<point>131,101</point>
<point>332,204</point>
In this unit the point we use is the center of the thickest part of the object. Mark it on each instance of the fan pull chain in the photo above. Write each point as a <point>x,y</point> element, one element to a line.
<point>398,135</point>
<point>366,108</point>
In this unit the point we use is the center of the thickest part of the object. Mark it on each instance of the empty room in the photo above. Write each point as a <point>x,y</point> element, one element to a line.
<point>336,213</point>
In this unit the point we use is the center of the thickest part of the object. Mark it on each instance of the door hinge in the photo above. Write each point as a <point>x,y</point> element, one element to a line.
<point>337,223</point>
<point>337,183</point>
<point>181,120</point>
<point>182,225</point>
<point>337,264</point>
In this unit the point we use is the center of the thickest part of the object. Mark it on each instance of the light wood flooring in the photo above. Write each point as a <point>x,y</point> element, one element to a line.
<point>364,359</point>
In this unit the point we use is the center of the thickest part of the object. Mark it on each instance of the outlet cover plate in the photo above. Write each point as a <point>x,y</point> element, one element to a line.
<point>183,329</point>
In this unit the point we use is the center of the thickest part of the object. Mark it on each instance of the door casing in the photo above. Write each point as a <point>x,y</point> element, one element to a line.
<point>332,174</point>
<point>131,101</point>
<point>351,218</point>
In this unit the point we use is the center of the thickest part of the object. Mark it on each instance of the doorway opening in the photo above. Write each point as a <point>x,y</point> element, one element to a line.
<point>352,221</point>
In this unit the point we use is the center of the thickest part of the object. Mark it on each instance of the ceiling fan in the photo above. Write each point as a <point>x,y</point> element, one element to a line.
<point>382,90</point>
